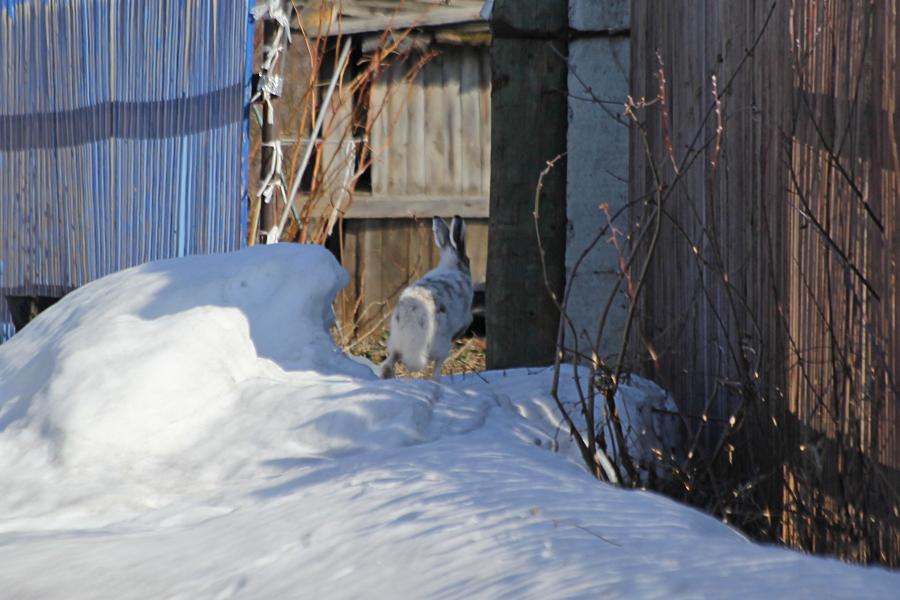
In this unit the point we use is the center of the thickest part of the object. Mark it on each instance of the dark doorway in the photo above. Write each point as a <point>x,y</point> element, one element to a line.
<point>25,308</point>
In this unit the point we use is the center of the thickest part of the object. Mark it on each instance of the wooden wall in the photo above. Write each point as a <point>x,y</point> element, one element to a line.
<point>434,136</point>
<point>773,292</point>
<point>432,148</point>
<point>383,256</point>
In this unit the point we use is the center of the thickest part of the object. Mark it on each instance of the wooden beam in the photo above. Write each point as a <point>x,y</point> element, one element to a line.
<point>478,34</point>
<point>374,207</point>
<point>529,117</point>
<point>431,18</point>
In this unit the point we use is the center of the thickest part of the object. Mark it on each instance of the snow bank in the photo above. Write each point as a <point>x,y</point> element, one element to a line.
<point>282,295</point>
<point>189,373</point>
<point>187,429</point>
<point>648,413</point>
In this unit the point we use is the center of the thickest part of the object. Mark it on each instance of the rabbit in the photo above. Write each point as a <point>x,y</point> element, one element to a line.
<point>434,310</point>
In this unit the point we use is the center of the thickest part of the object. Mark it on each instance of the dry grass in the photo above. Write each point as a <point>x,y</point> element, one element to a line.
<point>466,356</point>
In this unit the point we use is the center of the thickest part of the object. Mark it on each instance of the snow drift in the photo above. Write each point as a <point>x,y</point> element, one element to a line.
<point>195,372</point>
<point>188,429</point>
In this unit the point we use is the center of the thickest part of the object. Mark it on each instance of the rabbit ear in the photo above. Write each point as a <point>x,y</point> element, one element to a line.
<point>441,232</point>
<point>458,234</point>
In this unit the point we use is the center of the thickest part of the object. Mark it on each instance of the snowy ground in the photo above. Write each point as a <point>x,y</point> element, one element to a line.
<point>187,430</point>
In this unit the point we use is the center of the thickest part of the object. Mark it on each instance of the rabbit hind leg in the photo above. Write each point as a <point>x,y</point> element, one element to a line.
<point>436,373</point>
<point>387,367</point>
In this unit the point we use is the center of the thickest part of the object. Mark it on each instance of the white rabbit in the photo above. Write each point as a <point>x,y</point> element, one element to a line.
<point>434,310</point>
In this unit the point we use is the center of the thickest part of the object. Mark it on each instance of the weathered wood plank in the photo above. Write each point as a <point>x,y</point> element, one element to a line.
<point>379,112</point>
<point>370,266</point>
<point>470,125</point>
<point>417,182</point>
<point>433,17</point>
<point>347,299</point>
<point>398,130</point>
<point>423,255</point>
<point>484,110</point>
<point>389,207</point>
<point>473,35</point>
<point>453,119</point>
<point>437,140</point>
<point>477,246</point>
<point>394,263</point>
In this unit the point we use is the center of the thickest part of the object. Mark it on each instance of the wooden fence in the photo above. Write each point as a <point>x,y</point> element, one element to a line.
<point>771,300</point>
<point>383,256</point>
<point>430,139</point>
<point>433,136</point>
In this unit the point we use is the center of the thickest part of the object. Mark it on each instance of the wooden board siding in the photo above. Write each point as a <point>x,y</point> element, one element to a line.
<point>436,130</point>
<point>385,255</point>
<point>432,141</point>
<point>421,206</point>
<point>362,16</point>
<point>801,216</point>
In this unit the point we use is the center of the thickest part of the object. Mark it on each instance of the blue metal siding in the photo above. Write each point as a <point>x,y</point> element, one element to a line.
<point>123,130</point>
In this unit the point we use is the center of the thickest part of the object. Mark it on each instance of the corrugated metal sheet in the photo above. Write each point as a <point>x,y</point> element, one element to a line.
<point>122,136</point>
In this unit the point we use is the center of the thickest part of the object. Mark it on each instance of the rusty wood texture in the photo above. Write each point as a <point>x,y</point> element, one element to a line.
<point>773,293</point>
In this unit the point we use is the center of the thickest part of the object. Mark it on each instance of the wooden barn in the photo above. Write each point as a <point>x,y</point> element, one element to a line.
<point>434,129</point>
<point>114,149</point>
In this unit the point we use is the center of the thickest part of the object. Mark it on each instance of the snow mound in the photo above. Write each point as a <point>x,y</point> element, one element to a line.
<point>187,429</point>
<point>282,293</point>
<point>649,416</point>
<point>199,371</point>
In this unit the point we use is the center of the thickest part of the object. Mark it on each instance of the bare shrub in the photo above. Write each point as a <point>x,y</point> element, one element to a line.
<point>791,431</point>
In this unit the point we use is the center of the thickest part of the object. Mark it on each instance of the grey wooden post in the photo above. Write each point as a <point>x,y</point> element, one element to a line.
<point>529,123</point>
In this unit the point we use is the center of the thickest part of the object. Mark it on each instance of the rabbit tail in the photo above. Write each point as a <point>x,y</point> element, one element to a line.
<point>412,329</point>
